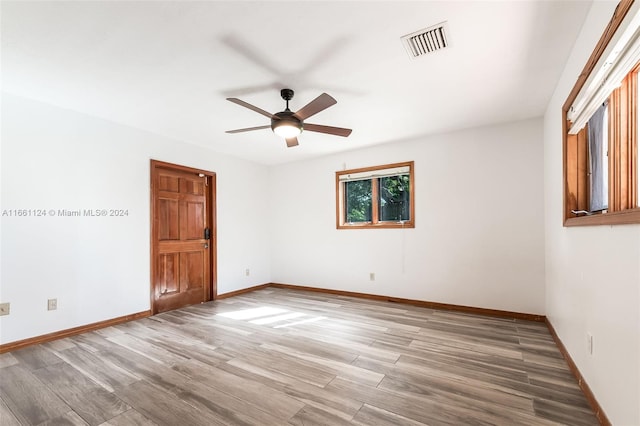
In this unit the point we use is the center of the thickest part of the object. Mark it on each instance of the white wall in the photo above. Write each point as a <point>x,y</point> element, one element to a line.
<point>98,268</point>
<point>478,239</point>
<point>592,273</point>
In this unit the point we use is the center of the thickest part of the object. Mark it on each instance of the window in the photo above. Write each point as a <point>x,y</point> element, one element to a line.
<point>600,120</point>
<point>375,197</point>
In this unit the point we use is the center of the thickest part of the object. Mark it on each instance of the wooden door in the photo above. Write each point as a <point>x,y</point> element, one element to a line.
<point>183,249</point>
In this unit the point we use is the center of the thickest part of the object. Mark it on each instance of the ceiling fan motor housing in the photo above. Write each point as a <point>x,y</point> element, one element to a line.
<point>285,118</point>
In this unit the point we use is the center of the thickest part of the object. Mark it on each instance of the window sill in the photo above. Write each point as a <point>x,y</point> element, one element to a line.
<point>387,225</point>
<point>624,217</point>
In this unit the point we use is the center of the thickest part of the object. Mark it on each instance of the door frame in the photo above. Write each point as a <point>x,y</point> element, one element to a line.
<point>210,189</point>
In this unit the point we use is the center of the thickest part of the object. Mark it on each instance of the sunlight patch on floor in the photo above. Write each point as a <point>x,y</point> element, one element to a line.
<point>265,315</point>
<point>283,317</point>
<point>247,314</point>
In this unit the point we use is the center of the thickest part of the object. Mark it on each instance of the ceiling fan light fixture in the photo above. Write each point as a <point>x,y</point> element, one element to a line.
<point>286,129</point>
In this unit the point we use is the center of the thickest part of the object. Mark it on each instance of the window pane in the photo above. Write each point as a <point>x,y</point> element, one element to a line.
<point>394,198</point>
<point>357,201</point>
<point>598,137</point>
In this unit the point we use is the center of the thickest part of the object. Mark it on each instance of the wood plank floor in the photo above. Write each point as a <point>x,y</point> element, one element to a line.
<point>277,357</point>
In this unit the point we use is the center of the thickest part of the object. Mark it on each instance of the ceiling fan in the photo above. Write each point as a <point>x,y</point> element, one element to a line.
<point>288,124</point>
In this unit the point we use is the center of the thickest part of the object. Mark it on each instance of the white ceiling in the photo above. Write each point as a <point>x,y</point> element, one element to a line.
<point>167,67</point>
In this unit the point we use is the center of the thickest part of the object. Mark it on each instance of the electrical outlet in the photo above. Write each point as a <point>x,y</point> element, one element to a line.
<point>5,308</point>
<point>372,276</point>
<point>52,304</point>
<point>247,272</point>
<point>589,343</point>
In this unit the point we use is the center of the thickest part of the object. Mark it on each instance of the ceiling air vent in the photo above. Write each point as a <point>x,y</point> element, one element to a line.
<point>427,41</point>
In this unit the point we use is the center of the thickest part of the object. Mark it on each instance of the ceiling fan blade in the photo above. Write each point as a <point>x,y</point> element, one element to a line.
<point>291,142</point>
<point>248,129</point>
<point>320,103</point>
<point>251,107</point>
<point>338,131</point>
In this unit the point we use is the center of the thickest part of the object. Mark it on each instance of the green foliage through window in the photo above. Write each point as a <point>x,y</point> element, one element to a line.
<point>358,200</point>
<point>394,198</point>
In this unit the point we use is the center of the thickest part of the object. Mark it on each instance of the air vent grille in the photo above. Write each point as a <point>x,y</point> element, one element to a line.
<point>426,41</point>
